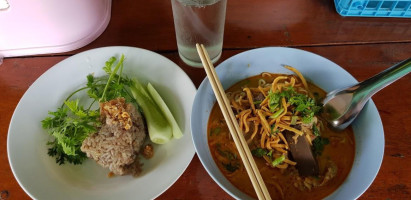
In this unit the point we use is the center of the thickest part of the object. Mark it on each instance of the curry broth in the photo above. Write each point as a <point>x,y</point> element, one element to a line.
<point>340,150</point>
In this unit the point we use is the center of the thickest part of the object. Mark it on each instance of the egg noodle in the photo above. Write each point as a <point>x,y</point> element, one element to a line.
<point>266,111</point>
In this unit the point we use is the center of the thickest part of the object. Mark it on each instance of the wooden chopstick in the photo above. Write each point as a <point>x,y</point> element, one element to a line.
<point>238,137</point>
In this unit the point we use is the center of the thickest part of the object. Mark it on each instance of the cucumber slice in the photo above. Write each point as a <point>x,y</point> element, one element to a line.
<point>159,129</point>
<point>166,111</point>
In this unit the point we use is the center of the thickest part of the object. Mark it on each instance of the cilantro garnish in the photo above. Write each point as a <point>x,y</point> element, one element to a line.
<point>69,126</point>
<point>318,145</point>
<point>231,167</point>
<point>215,131</point>
<point>302,103</point>
<point>259,152</point>
<point>316,132</point>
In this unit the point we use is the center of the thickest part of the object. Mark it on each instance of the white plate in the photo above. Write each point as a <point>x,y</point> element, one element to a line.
<point>368,130</point>
<point>40,176</point>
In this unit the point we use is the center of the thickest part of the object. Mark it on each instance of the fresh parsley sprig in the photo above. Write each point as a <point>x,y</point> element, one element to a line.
<point>69,126</point>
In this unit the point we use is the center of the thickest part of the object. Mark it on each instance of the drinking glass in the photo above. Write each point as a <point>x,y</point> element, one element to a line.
<point>199,21</point>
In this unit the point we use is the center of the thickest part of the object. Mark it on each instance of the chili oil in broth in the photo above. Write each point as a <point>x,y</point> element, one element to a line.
<point>340,150</point>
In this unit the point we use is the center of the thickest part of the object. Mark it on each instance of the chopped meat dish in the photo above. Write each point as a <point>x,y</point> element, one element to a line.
<point>117,144</point>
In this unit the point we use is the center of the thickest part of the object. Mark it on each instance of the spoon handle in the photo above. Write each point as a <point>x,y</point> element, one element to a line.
<point>374,84</point>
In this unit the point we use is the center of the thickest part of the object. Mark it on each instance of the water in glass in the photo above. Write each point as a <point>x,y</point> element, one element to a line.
<point>199,21</point>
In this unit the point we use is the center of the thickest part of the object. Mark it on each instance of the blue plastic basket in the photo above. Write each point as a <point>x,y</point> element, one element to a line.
<point>374,8</point>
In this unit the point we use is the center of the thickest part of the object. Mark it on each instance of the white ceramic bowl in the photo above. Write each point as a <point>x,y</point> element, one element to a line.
<point>368,130</point>
<point>40,176</point>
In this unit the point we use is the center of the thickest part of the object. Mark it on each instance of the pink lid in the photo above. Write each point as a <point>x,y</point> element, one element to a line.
<point>30,27</point>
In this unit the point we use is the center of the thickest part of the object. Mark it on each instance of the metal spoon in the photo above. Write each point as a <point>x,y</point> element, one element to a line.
<point>341,106</point>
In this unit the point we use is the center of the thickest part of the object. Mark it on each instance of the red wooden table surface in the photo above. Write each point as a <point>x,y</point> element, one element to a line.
<point>362,46</point>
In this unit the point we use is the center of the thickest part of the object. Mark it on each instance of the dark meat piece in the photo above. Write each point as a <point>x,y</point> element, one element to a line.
<point>260,97</point>
<point>301,151</point>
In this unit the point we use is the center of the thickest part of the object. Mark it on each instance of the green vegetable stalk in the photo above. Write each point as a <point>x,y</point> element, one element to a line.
<point>159,129</point>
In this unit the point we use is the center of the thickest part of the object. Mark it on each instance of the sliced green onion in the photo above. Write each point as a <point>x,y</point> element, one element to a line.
<point>294,120</point>
<point>278,113</point>
<point>278,161</point>
<point>274,131</point>
<point>270,153</point>
<point>273,107</point>
<point>257,102</point>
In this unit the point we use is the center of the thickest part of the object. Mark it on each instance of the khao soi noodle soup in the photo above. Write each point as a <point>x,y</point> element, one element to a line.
<point>279,117</point>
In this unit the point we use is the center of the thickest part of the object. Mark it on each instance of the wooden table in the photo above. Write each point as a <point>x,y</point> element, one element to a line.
<point>362,46</point>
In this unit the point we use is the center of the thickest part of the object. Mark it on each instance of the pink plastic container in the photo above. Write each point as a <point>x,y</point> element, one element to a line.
<point>29,27</point>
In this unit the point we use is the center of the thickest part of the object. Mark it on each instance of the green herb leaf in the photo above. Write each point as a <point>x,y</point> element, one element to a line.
<point>318,145</point>
<point>109,64</point>
<point>270,153</point>
<point>303,104</point>
<point>69,126</point>
<point>316,131</point>
<point>227,154</point>
<point>274,131</point>
<point>231,167</point>
<point>259,152</point>
<point>215,131</point>
<point>274,100</point>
